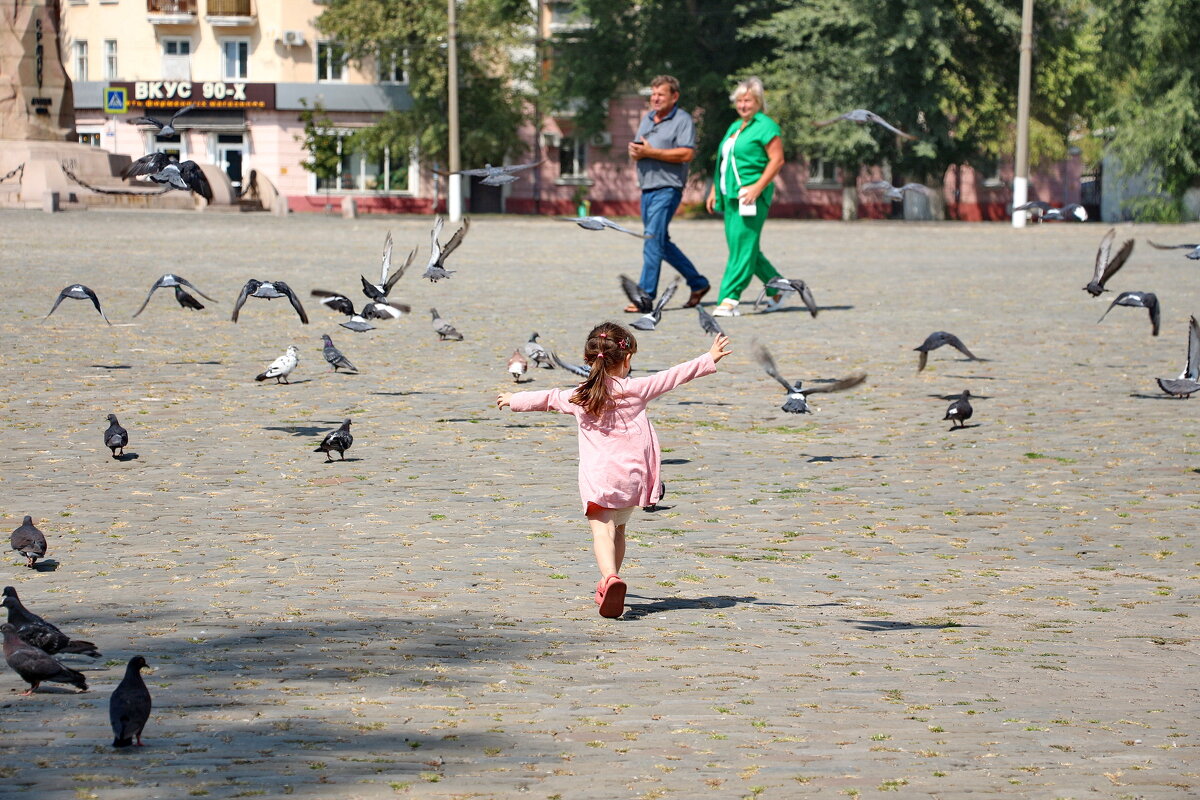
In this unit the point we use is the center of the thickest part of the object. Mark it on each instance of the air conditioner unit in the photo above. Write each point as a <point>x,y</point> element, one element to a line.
<point>293,38</point>
<point>601,139</point>
<point>550,139</point>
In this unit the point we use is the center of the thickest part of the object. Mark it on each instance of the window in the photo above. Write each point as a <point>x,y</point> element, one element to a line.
<point>177,47</point>
<point>364,172</point>
<point>235,59</point>
<point>572,159</point>
<point>821,171</point>
<point>331,61</point>
<point>393,67</point>
<point>81,60</point>
<point>177,59</point>
<point>90,138</point>
<point>110,60</point>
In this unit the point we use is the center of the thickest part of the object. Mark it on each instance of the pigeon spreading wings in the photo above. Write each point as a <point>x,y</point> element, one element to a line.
<point>335,301</point>
<point>1195,248</point>
<point>438,253</point>
<point>1188,380</point>
<point>1146,300</point>
<point>790,285</point>
<point>77,291</point>
<point>862,116</point>
<point>937,339</point>
<point>582,372</point>
<point>387,278</point>
<point>162,169</point>
<point>637,295</point>
<point>600,223</point>
<point>498,176</point>
<point>164,129</point>
<point>170,280</point>
<point>894,192</point>
<point>797,402</point>
<point>649,321</point>
<point>1107,264</point>
<point>1044,211</point>
<point>268,290</point>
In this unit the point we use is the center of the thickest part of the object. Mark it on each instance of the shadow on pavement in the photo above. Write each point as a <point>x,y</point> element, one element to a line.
<point>883,626</point>
<point>658,605</point>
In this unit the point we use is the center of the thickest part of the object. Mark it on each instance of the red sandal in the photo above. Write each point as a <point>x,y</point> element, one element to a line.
<point>612,597</point>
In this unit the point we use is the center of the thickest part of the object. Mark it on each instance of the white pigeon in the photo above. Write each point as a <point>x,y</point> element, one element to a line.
<point>281,367</point>
<point>517,365</point>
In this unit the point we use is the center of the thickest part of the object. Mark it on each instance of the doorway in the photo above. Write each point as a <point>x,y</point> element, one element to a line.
<point>231,149</point>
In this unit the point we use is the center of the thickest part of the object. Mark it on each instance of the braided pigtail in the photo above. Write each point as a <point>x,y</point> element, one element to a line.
<point>607,347</point>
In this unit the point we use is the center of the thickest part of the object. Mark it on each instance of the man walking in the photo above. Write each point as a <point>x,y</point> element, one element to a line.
<point>664,144</point>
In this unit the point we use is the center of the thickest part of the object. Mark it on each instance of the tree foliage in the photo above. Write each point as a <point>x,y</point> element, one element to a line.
<point>323,158</point>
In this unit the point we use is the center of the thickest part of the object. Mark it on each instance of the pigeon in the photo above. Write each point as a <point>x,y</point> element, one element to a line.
<point>536,353</point>
<point>167,129</point>
<point>438,253</point>
<point>935,340</point>
<point>517,365</point>
<point>649,321</point>
<point>34,666</point>
<point>894,192</point>
<point>339,440</point>
<point>28,541</point>
<point>444,329</point>
<point>862,116</point>
<point>708,324</point>
<point>1106,263</point>
<point>115,437</point>
<point>163,169</point>
<point>335,301</point>
<point>1146,300</point>
<point>1195,248</point>
<point>379,291</point>
<point>185,300</point>
<point>600,223</point>
<point>797,402</point>
<point>959,411</point>
<point>1188,381</point>
<point>498,176</point>
<point>357,324</point>
<point>129,706</point>
<point>384,311</point>
<point>268,290</point>
<point>335,357</point>
<point>281,367</point>
<point>790,285</point>
<point>1043,211</point>
<point>37,632</point>
<point>637,295</point>
<point>582,372</point>
<point>77,291</point>
<point>169,280</point>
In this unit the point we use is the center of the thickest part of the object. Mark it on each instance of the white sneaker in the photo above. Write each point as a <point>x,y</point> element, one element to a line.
<point>728,308</point>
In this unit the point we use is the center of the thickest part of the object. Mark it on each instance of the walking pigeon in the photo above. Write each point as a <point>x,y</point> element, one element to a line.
<point>1107,264</point>
<point>537,354</point>
<point>28,541</point>
<point>281,367</point>
<point>37,632</point>
<point>959,411</point>
<point>185,300</point>
<point>167,281</point>
<point>335,357</point>
<point>1146,300</point>
<point>34,666</point>
<point>517,365</point>
<point>268,290</point>
<point>935,340</point>
<point>115,437</point>
<point>443,328</point>
<point>77,291</point>
<point>129,706</point>
<point>797,402</point>
<point>339,440</point>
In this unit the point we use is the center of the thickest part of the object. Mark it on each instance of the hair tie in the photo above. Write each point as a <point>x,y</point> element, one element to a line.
<point>623,343</point>
<point>602,335</point>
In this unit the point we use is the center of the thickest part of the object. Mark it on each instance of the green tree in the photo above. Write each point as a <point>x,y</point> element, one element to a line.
<point>323,158</point>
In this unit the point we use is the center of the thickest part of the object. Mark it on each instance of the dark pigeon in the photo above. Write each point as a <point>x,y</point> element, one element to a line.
<point>170,280</point>
<point>960,410</point>
<point>186,300</point>
<point>378,292</point>
<point>339,440</point>
<point>651,320</point>
<point>797,400</point>
<point>29,541</point>
<point>707,323</point>
<point>337,302</point>
<point>35,631</point>
<point>1044,212</point>
<point>935,340</point>
<point>34,666</point>
<point>77,291</point>
<point>438,253</point>
<point>1188,381</point>
<point>129,706</point>
<point>1195,248</point>
<point>790,285</point>
<point>268,290</point>
<point>443,328</point>
<point>637,295</point>
<point>115,437</point>
<point>164,169</point>
<point>1146,300</point>
<point>1107,264</point>
<point>335,357</point>
<point>167,128</point>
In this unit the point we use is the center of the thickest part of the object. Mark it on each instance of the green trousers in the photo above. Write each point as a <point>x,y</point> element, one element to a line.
<point>746,259</point>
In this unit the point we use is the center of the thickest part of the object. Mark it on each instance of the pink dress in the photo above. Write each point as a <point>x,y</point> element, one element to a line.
<point>618,452</point>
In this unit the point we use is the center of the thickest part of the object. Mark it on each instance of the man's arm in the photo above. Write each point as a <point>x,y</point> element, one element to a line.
<point>673,155</point>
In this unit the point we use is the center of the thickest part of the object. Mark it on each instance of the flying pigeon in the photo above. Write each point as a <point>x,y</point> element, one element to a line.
<point>862,116</point>
<point>438,253</point>
<point>517,365</point>
<point>443,328</point>
<point>384,311</point>
<point>268,290</point>
<point>169,280</point>
<point>129,706</point>
<point>1146,300</point>
<point>894,192</point>
<point>167,129</point>
<point>335,357</point>
<point>37,632</point>
<point>339,440</point>
<point>77,291</point>
<point>797,402</point>
<point>1043,211</point>
<point>379,291</point>
<point>185,300</point>
<point>787,285</point>
<point>1106,263</point>
<point>935,340</point>
<point>536,353</point>
<point>115,437</point>
<point>707,323</point>
<point>582,372</point>
<point>1188,381</point>
<point>498,176</point>
<point>1195,248</point>
<point>281,367</point>
<point>649,321</point>
<point>335,301</point>
<point>959,411</point>
<point>28,541</point>
<point>163,169</point>
<point>34,666</point>
<point>600,223</point>
<point>357,324</point>
<point>638,296</point>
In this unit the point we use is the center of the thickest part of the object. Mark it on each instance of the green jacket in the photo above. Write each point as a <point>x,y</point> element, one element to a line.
<point>750,156</point>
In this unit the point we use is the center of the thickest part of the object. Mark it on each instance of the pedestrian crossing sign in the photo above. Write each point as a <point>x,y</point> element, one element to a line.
<point>115,100</point>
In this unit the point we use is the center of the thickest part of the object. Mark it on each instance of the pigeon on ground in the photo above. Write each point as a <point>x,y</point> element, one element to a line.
<point>1146,300</point>
<point>498,176</point>
<point>129,706</point>
<point>894,192</point>
<point>28,541</point>
<point>34,666</point>
<point>786,285</point>
<point>164,169</point>
<point>935,340</point>
<point>581,371</point>
<point>517,365</point>
<point>115,437</point>
<point>1106,263</point>
<point>1043,211</point>
<point>281,367</point>
<point>600,223</point>
<point>1195,248</point>
<point>959,411</point>
<point>637,295</point>
<point>35,631</point>
<point>649,321</point>
<point>164,129</point>
<point>335,357</point>
<point>339,440</point>
<point>268,290</point>
<point>862,116</point>
<point>438,253</point>
<point>77,291</point>
<point>443,328</point>
<point>335,301</point>
<point>379,291</point>
<point>1188,381</point>
<point>169,280</point>
<point>185,300</point>
<point>536,353</point>
<point>707,323</point>
<point>797,402</point>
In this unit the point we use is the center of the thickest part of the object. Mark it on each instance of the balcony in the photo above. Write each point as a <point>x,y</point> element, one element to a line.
<point>171,12</point>
<point>229,13</point>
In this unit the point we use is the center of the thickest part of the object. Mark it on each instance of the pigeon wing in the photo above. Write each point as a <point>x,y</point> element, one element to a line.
<point>295,301</point>
<point>395,276</point>
<point>1192,368</point>
<point>841,385</point>
<point>922,360</point>
<point>878,120</point>
<point>250,286</point>
<point>763,356</point>
<point>370,290</point>
<point>148,164</point>
<point>193,176</point>
<point>1172,246</point>
<point>146,302</point>
<point>1117,262</point>
<point>58,300</point>
<point>666,297</point>
<point>707,323</point>
<point>95,301</point>
<point>806,295</point>
<point>386,266</point>
<point>957,344</point>
<point>1110,307</point>
<point>575,368</point>
<point>878,186</point>
<point>181,112</point>
<point>610,224</point>
<point>1102,254</point>
<point>637,295</point>
<point>456,239</point>
<point>192,286</point>
<point>1155,312</point>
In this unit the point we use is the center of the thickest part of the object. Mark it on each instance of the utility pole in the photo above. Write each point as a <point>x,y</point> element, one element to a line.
<point>1024,77</point>
<point>454,182</point>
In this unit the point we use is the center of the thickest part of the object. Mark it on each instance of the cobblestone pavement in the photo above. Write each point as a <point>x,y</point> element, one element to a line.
<point>842,604</point>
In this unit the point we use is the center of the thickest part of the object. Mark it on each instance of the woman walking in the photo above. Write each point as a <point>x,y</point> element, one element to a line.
<point>750,156</point>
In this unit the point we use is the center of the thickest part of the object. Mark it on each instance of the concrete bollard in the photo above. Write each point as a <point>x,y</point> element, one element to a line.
<point>51,202</point>
<point>349,208</point>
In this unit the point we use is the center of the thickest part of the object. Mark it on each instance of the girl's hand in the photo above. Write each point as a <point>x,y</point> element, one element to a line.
<point>720,347</point>
<point>711,202</point>
<point>502,399</point>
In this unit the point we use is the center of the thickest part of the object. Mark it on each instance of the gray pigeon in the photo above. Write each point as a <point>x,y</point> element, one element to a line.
<point>1107,264</point>
<point>787,285</point>
<point>638,296</point>
<point>498,176</point>
<point>862,116</point>
<point>1146,300</point>
<point>581,371</point>
<point>77,291</point>
<point>115,437</point>
<point>167,281</point>
<point>959,411</point>
<point>1188,381</point>
<point>935,340</point>
<point>1043,211</point>
<point>707,323</point>
<point>444,329</point>
<point>600,223</point>
<point>29,541</point>
<point>339,440</point>
<point>34,666</point>
<point>335,357</point>
<point>894,192</point>
<point>33,630</point>
<point>1195,248</point>
<point>797,400</point>
<point>268,290</point>
<point>651,320</point>
<point>129,706</point>
<point>378,292</point>
<point>536,353</point>
<point>164,169</point>
<point>438,253</point>
<point>167,128</point>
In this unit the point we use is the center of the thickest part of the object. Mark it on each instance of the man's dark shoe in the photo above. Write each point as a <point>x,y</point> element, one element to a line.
<point>696,297</point>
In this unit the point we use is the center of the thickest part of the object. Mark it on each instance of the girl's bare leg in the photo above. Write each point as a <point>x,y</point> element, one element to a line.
<point>608,538</point>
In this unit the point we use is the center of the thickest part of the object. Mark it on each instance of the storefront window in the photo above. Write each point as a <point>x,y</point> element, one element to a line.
<point>364,172</point>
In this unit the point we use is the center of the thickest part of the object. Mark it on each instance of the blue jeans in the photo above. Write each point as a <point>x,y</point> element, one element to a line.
<point>658,206</point>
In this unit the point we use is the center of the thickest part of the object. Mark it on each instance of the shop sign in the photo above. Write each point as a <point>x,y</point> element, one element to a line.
<point>206,94</point>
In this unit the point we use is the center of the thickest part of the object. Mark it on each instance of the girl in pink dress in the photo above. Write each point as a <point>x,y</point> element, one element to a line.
<point>618,448</point>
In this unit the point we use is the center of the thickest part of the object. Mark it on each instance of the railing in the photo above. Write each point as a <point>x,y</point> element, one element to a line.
<point>171,6</point>
<point>229,8</point>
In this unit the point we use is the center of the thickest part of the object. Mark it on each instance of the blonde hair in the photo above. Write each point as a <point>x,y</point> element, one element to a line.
<point>754,86</point>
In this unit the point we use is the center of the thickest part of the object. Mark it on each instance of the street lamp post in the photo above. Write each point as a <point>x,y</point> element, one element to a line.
<point>454,182</point>
<point>1024,76</point>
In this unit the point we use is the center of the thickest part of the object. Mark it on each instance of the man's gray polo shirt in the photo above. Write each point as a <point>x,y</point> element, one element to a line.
<point>677,130</point>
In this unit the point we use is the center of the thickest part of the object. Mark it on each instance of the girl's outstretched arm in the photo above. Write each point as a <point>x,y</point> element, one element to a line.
<point>548,400</point>
<point>660,383</point>
<point>502,399</point>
